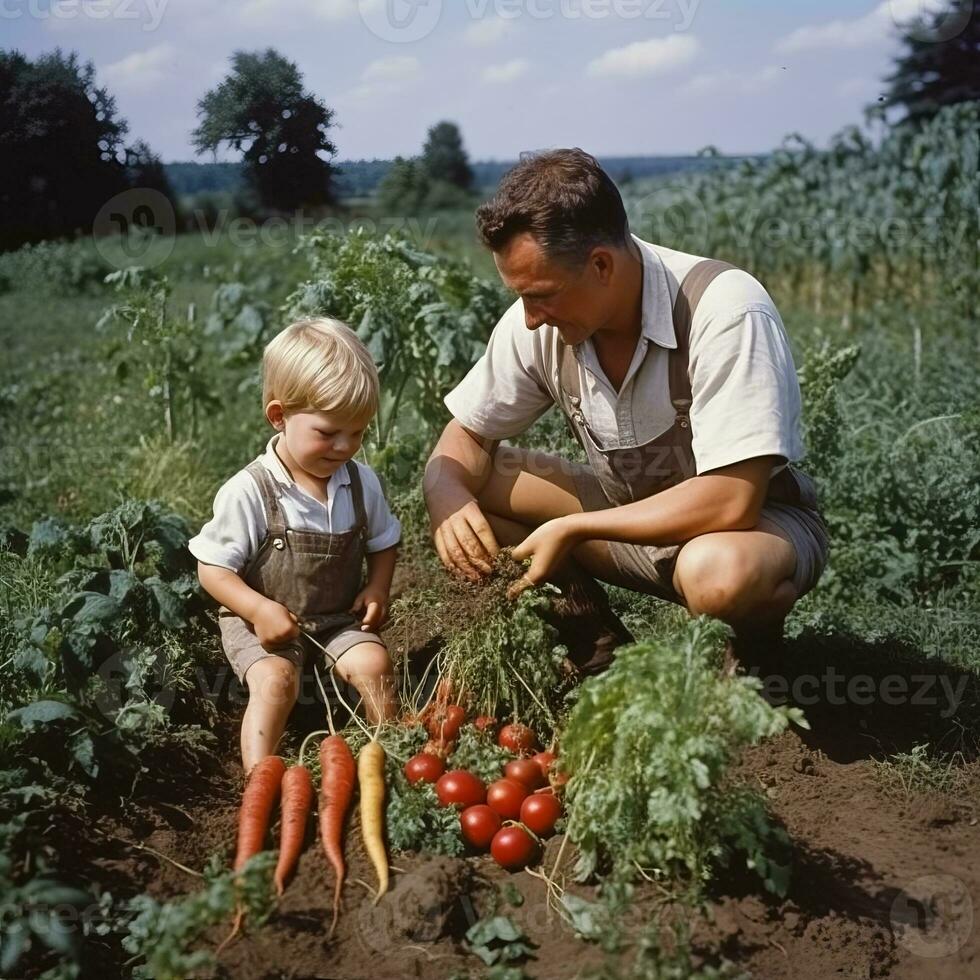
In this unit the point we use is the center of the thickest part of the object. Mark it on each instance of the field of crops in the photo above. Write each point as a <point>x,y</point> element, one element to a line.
<point>816,815</point>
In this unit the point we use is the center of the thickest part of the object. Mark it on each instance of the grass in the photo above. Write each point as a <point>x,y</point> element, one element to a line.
<point>921,770</point>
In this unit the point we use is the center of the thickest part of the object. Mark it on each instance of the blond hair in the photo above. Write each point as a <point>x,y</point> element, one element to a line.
<point>319,363</point>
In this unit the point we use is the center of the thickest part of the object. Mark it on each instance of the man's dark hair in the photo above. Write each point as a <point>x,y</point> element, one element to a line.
<point>565,200</point>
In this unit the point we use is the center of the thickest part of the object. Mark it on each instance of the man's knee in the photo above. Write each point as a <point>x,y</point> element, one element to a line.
<point>719,579</point>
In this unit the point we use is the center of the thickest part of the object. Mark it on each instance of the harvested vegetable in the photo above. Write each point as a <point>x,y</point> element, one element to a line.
<point>445,721</point>
<point>336,790</point>
<point>461,788</point>
<point>424,768</point>
<point>258,800</point>
<point>518,738</point>
<point>505,797</point>
<point>297,798</point>
<point>525,771</point>
<point>479,824</point>
<point>370,776</point>
<point>513,847</point>
<point>540,813</point>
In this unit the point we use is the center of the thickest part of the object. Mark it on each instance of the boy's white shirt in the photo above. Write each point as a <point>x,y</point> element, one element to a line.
<point>239,524</point>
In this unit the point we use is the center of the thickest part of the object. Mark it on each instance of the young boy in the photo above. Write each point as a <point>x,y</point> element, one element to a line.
<point>286,545</point>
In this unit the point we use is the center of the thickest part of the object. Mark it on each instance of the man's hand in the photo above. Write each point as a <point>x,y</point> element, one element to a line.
<point>547,546</point>
<point>274,624</point>
<point>373,601</point>
<point>466,542</point>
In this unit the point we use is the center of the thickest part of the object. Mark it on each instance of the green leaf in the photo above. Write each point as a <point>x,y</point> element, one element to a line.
<point>92,607</point>
<point>42,713</point>
<point>83,752</point>
<point>170,606</point>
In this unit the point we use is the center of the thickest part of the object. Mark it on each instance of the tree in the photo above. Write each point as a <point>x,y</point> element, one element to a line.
<point>405,187</point>
<point>444,158</point>
<point>261,110</point>
<point>933,72</point>
<point>60,141</point>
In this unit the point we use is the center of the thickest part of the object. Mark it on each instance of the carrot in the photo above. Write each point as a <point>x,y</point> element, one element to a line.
<point>370,775</point>
<point>297,797</point>
<point>336,789</point>
<point>258,800</point>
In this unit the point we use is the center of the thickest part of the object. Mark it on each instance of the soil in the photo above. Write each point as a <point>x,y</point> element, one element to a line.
<point>883,881</point>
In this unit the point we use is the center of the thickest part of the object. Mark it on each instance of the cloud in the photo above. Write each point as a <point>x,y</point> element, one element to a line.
<point>652,57</point>
<point>273,11</point>
<point>856,32</point>
<point>141,69</point>
<point>742,83</point>
<point>487,31</point>
<point>509,71</point>
<point>397,68</point>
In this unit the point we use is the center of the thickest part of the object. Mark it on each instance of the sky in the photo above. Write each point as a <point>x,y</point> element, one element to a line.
<point>616,77</point>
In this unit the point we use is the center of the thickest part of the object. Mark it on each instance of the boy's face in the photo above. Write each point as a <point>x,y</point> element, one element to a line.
<point>316,441</point>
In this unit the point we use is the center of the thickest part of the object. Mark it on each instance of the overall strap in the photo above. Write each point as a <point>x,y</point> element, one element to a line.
<point>689,294</point>
<point>357,493</point>
<point>269,489</point>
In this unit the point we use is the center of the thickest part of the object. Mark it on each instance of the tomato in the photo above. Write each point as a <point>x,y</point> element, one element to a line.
<point>445,721</point>
<point>525,771</point>
<point>518,738</point>
<point>461,788</point>
<point>505,796</point>
<point>479,824</point>
<point>485,723</point>
<point>540,812</point>
<point>545,761</point>
<point>513,848</point>
<point>424,768</point>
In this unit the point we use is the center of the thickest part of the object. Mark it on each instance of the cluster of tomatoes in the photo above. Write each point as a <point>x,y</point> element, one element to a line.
<point>512,815</point>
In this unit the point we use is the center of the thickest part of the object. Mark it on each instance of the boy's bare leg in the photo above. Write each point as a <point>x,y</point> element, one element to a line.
<point>273,685</point>
<point>368,667</point>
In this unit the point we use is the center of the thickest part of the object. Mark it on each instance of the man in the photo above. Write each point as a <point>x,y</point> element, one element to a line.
<point>675,375</point>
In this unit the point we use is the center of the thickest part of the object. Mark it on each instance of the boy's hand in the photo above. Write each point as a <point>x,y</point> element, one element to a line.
<point>374,603</point>
<point>275,624</point>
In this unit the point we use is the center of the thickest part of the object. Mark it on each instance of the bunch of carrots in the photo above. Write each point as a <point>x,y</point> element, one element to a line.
<point>270,781</point>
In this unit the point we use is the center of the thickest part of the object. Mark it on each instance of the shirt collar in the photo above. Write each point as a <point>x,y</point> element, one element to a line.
<point>656,315</point>
<point>274,464</point>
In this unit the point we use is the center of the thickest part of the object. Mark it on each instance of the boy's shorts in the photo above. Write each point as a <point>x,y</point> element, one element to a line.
<point>242,647</point>
<point>650,569</point>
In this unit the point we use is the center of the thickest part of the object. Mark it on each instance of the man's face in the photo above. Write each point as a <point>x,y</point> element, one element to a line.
<point>575,301</point>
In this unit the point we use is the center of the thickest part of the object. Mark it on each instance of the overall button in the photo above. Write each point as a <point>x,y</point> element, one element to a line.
<point>278,544</point>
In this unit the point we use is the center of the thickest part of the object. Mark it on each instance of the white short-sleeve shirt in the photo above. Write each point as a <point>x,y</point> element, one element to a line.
<point>239,524</point>
<point>746,395</point>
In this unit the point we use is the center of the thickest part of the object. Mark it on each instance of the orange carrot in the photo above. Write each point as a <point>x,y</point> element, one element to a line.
<point>297,797</point>
<point>337,770</point>
<point>258,801</point>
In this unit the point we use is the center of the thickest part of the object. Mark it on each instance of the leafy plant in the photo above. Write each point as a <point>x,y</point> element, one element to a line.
<point>649,744</point>
<point>498,940</point>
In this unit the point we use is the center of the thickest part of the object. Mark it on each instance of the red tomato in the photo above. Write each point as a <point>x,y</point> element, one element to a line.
<point>461,788</point>
<point>424,768</point>
<point>485,723</point>
<point>525,771</point>
<point>506,796</point>
<point>513,848</point>
<point>445,721</point>
<point>545,761</point>
<point>540,812</point>
<point>479,824</point>
<point>518,738</point>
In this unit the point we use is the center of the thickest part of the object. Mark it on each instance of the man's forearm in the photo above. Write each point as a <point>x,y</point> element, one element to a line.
<point>724,500</point>
<point>459,466</point>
